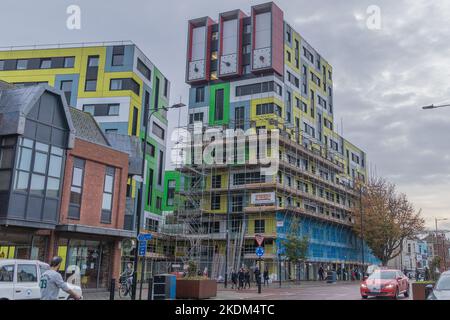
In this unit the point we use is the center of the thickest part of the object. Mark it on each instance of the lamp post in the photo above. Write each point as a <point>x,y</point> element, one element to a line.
<point>141,201</point>
<point>362,225</point>
<point>443,241</point>
<point>435,107</point>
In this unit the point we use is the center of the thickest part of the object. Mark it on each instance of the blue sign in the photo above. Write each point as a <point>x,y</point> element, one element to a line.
<point>142,250</point>
<point>144,237</point>
<point>260,251</point>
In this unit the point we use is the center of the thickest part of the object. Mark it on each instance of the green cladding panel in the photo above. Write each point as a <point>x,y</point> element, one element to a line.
<point>226,104</point>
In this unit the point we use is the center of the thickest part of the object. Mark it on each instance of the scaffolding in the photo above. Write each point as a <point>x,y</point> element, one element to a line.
<point>215,218</point>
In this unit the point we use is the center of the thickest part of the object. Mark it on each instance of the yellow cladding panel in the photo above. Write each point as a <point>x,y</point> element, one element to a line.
<point>262,120</point>
<point>80,55</point>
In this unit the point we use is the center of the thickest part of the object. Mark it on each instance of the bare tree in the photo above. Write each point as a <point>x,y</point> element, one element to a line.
<point>388,219</point>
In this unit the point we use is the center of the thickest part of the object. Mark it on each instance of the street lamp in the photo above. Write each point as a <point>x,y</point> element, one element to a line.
<point>443,244</point>
<point>141,203</point>
<point>435,107</point>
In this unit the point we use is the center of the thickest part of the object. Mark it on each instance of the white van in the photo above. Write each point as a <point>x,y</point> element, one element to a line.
<point>19,280</point>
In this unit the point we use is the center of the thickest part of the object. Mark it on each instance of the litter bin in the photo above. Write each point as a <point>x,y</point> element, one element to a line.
<point>331,277</point>
<point>164,287</point>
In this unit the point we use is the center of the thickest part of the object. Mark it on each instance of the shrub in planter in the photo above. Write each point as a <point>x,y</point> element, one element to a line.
<point>419,289</point>
<point>195,286</point>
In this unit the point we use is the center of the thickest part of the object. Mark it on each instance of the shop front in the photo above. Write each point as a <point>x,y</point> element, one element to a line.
<point>89,262</point>
<point>23,243</point>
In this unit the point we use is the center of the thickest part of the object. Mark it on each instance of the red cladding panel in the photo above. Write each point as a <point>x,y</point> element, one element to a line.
<point>277,40</point>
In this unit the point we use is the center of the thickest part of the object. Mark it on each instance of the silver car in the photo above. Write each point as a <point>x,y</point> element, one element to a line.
<point>441,291</point>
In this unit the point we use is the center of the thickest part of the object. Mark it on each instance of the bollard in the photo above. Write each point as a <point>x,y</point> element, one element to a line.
<point>112,289</point>
<point>150,289</point>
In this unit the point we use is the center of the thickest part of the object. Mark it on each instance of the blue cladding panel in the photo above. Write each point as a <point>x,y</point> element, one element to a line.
<point>328,242</point>
<point>75,80</point>
<point>128,60</point>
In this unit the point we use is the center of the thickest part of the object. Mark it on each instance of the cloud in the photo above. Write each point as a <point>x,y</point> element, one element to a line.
<point>381,77</point>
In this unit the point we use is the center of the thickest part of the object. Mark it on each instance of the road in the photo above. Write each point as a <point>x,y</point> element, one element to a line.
<point>338,291</point>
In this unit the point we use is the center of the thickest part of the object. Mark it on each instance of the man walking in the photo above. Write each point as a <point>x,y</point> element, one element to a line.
<point>241,278</point>
<point>234,277</point>
<point>51,282</point>
<point>247,278</point>
<point>321,272</point>
<point>266,276</point>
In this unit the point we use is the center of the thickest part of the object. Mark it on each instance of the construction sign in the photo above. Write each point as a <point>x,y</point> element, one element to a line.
<point>259,239</point>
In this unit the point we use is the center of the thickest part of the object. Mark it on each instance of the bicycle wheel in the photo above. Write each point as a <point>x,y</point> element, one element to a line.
<point>123,290</point>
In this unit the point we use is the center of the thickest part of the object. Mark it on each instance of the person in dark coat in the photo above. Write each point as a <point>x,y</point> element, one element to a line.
<point>266,276</point>
<point>321,273</point>
<point>241,278</point>
<point>247,278</point>
<point>234,280</point>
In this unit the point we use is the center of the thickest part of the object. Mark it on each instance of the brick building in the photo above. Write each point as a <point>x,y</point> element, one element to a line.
<point>62,186</point>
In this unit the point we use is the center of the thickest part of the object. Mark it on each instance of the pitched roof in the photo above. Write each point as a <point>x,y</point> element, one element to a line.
<point>86,128</point>
<point>16,102</point>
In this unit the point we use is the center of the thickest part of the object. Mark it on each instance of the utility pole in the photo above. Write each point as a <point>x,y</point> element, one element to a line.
<point>141,195</point>
<point>362,230</point>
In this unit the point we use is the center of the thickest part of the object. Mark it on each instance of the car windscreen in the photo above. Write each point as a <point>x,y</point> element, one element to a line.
<point>443,283</point>
<point>384,275</point>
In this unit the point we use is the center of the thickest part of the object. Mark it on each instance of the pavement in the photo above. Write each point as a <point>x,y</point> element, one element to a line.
<point>306,290</point>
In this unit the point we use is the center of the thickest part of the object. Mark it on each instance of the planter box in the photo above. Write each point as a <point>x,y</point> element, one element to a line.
<point>418,290</point>
<point>196,289</point>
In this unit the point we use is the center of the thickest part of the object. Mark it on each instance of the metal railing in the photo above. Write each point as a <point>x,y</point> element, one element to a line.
<point>67,45</point>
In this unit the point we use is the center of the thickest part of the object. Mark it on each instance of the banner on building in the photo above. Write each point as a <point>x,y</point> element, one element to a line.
<point>263,198</point>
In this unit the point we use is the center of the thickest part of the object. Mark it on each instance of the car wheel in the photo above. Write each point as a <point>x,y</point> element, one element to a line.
<point>364,297</point>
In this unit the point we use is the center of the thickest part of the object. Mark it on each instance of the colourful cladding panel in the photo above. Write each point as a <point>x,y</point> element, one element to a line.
<point>226,104</point>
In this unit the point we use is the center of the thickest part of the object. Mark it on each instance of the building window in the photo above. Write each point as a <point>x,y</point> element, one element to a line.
<point>216,182</point>
<point>151,225</point>
<point>6,161</point>
<point>166,88</point>
<point>151,150</point>
<point>124,84</point>
<point>219,104</point>
<point>199,94</point>
<point>69,62</point>
<point>108,189</point>
<point>268,108</point>
<point>146,72</point>
<point>215,202</point>
<point>76,188</point>
<point>157,93</point>
<point>171,188</point>
<point>239,117</point>
<point>93,61</point>
<point>260,226</point>
<point>215,36</point>
<point>160,167</point>
<point>158,203</point>
<point>158,131</point>
<point>237,204</point>
<point>150,187</point>
<point>2,65</point>
<point>102,110</point>
<point>66,87</point>
<point>46,63</point>
<point>134,128</point>
<point>118,59</point>
<point>195,117</point>
<point>22,64</point>
<point>288,56</point>
<point>90,85</point>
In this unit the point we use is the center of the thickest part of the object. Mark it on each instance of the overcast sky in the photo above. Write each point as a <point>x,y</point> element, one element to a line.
<point>381,77</point>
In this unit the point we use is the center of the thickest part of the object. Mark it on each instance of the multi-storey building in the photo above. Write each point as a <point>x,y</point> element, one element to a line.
<point>118,85</point>
<point>63,187</point>
<point>257,72</point>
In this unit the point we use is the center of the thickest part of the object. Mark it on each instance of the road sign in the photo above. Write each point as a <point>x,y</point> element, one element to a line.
<point>142,249</point>
<point>259,239</point>
<point>259,251</point>
<point>144,237</point>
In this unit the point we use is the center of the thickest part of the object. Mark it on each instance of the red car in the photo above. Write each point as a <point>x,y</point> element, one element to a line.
<point>385,283</point>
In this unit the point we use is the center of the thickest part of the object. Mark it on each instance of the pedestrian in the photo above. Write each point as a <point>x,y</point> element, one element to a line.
<point>241,278</point>
<point>353,275</point>
<point>247,278</point>
<point>266,276</point>
<point>234,278</point>
<point>257,277</point>
<point>427,274</point>
<point>321,272</point>
<point>51,282</point>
